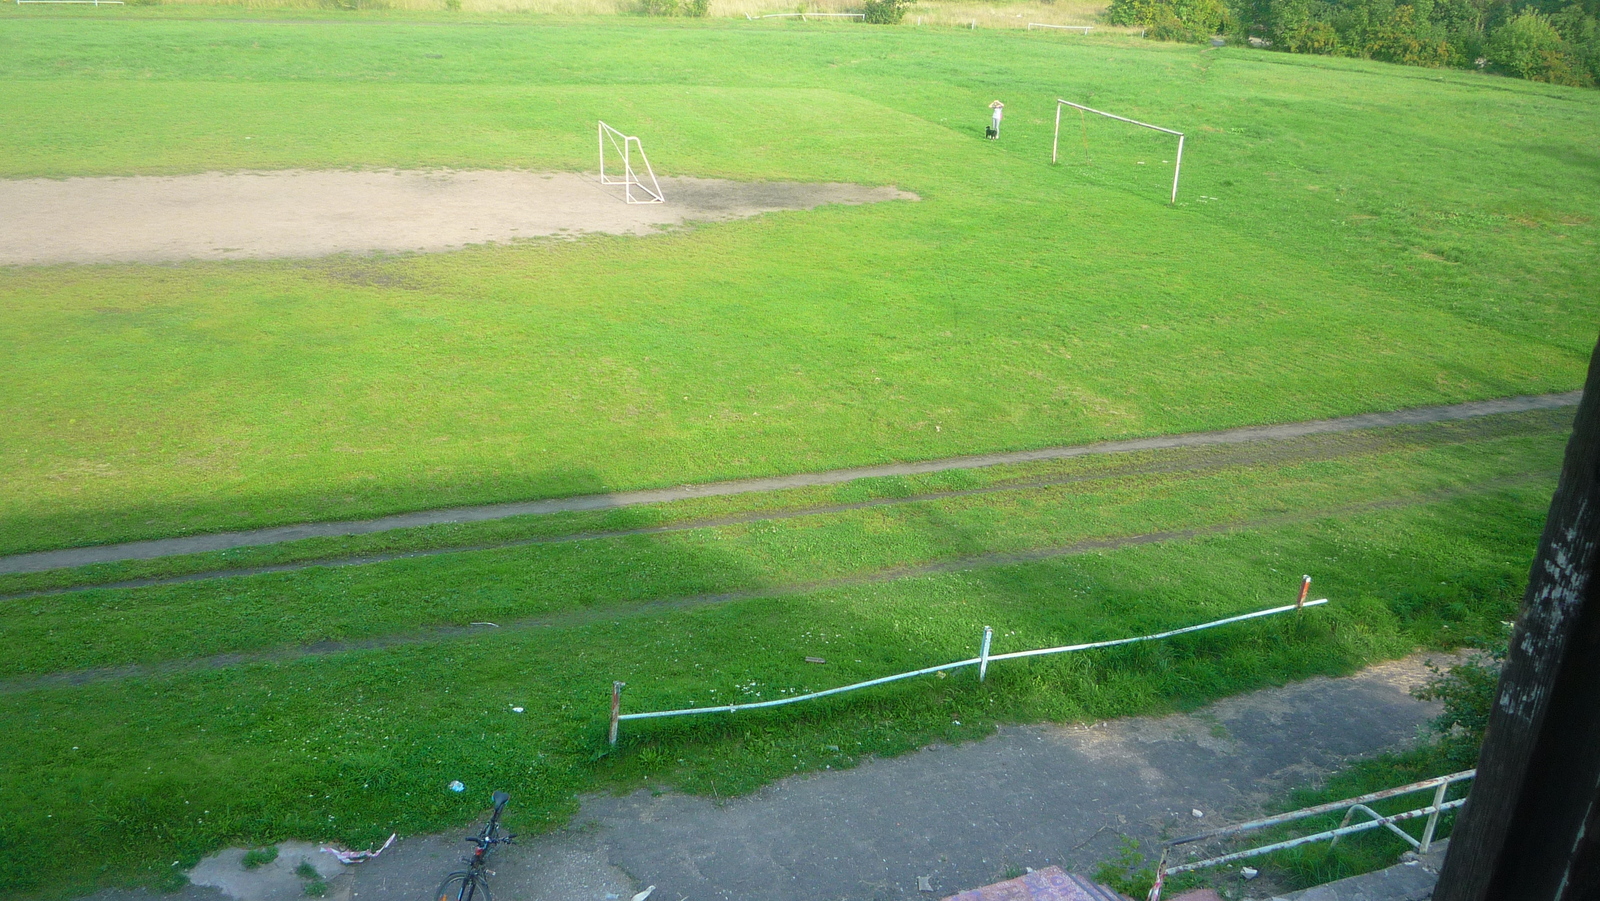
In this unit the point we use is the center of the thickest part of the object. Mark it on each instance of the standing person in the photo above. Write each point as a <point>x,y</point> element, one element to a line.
<point>994,129</point>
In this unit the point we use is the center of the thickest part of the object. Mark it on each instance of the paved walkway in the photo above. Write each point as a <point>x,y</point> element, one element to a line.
<point>962,816</point>
<point>169,547</point>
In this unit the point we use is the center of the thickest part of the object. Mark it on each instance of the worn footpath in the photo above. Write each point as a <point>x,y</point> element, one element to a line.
<point>962,816</point>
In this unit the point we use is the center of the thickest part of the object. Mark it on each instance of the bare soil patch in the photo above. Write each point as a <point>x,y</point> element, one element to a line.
<point>299,214</point>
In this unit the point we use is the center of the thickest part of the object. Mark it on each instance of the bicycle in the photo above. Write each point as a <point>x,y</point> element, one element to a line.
<point>472,883</point>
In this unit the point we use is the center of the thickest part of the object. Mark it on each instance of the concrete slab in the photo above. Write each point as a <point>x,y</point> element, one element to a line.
<point>1048,884</point>
<point>280,880</point>
<point>1411,880</point>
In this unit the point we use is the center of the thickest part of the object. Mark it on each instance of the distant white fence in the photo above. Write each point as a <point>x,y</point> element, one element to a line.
<point>84,2</point>
<point>1083,28</point>
<point>981,661</point>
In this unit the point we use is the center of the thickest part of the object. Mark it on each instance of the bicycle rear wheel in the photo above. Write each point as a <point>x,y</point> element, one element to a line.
<point>462,886</point>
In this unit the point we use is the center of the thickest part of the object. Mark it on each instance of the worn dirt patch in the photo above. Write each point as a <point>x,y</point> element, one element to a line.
<point>299,214</point>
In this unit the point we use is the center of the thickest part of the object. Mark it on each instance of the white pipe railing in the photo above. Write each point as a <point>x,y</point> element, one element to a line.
<point>1439,784</point>
<point>982,662</point>
<point>1083,28</point>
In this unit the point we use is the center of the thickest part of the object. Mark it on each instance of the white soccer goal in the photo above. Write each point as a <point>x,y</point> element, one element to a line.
<point>626,149</point>
<point>1177,164</point>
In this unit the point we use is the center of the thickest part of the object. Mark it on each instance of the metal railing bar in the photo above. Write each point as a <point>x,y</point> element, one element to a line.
<point>1330,807</point>
<point>780,702</point>
<point>1321,836</point>
<point>1387,822</point>
<point>1090,646</point>
<point>982,661</point>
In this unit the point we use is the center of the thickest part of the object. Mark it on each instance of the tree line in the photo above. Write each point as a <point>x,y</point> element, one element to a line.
<point>1555,41</point>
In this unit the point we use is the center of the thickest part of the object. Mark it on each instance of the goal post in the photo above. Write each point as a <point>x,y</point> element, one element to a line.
<point>1055,145</point>
<point>635,166</point>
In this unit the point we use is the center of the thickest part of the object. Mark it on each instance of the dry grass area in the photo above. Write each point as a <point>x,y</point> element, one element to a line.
<point>947,14</point>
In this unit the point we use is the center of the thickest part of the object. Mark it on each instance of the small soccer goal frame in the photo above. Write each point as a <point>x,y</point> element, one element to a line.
<point>1055,145</point>
<point>628,147</point>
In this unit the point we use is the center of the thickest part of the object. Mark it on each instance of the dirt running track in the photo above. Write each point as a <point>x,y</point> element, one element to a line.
<point>263,215</point>
<point>41,561</point>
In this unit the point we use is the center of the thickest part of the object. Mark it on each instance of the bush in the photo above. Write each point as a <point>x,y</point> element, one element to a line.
<point>1467,691</point>
<point>1581,30</point>
<point>1171,20</point>
<point>694,9</point>
<point>1528,46</point>
<point>885,12</point>
<point>1514,36</point>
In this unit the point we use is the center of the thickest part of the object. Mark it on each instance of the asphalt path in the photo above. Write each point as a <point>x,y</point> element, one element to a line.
<point>959,816</point>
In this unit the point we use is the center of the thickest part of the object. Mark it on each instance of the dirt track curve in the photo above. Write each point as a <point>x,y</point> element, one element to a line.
<point>42,561</point>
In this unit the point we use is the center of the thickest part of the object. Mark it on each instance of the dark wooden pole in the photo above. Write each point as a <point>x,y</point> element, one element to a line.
<point>1530,830</point>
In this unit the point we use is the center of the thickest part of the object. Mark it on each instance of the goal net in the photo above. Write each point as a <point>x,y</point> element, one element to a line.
<point>1137,158</point>
<point>629,167</point>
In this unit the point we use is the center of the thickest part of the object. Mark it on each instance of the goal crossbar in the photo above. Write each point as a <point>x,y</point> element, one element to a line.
<point>626,147</point>
<point>1055,145</point>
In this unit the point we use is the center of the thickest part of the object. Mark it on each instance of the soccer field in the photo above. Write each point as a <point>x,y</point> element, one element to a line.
<point>1378,239</point>
<point>1349,237</point>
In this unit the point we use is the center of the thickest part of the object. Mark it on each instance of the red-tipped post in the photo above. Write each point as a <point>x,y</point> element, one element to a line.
<point>616,710</point>
<point>1305,589</point>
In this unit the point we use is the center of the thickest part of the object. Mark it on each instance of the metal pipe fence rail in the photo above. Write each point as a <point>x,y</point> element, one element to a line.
<point>1083,28</point>
<point>1351,806</point>
<point>981,661</point>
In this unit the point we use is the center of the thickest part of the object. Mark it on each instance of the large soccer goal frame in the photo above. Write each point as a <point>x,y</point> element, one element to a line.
<point>628,147</point>
<point>1177,164</point>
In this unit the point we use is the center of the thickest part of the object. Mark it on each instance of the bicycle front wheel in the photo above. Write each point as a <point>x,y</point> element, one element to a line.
<point>462,886</point>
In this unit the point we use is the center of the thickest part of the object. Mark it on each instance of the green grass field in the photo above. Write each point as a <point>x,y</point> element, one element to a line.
<point>1350,237</point>
<point>1380,239</point>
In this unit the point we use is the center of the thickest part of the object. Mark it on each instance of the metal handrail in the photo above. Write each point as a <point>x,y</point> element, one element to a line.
<point>981,661</point>
<point>1440,785</point>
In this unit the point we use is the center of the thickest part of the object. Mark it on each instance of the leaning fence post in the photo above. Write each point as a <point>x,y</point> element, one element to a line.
<point>1305,589</point>
<point>1161,877</point>
<point>983,654</point>
<point>616,709</point>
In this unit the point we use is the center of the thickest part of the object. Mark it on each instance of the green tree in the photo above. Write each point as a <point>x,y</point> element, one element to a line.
<point>1580,28</point>
<point>885,12</point>
<point>1172,20</point>
<point>1528,46</point>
